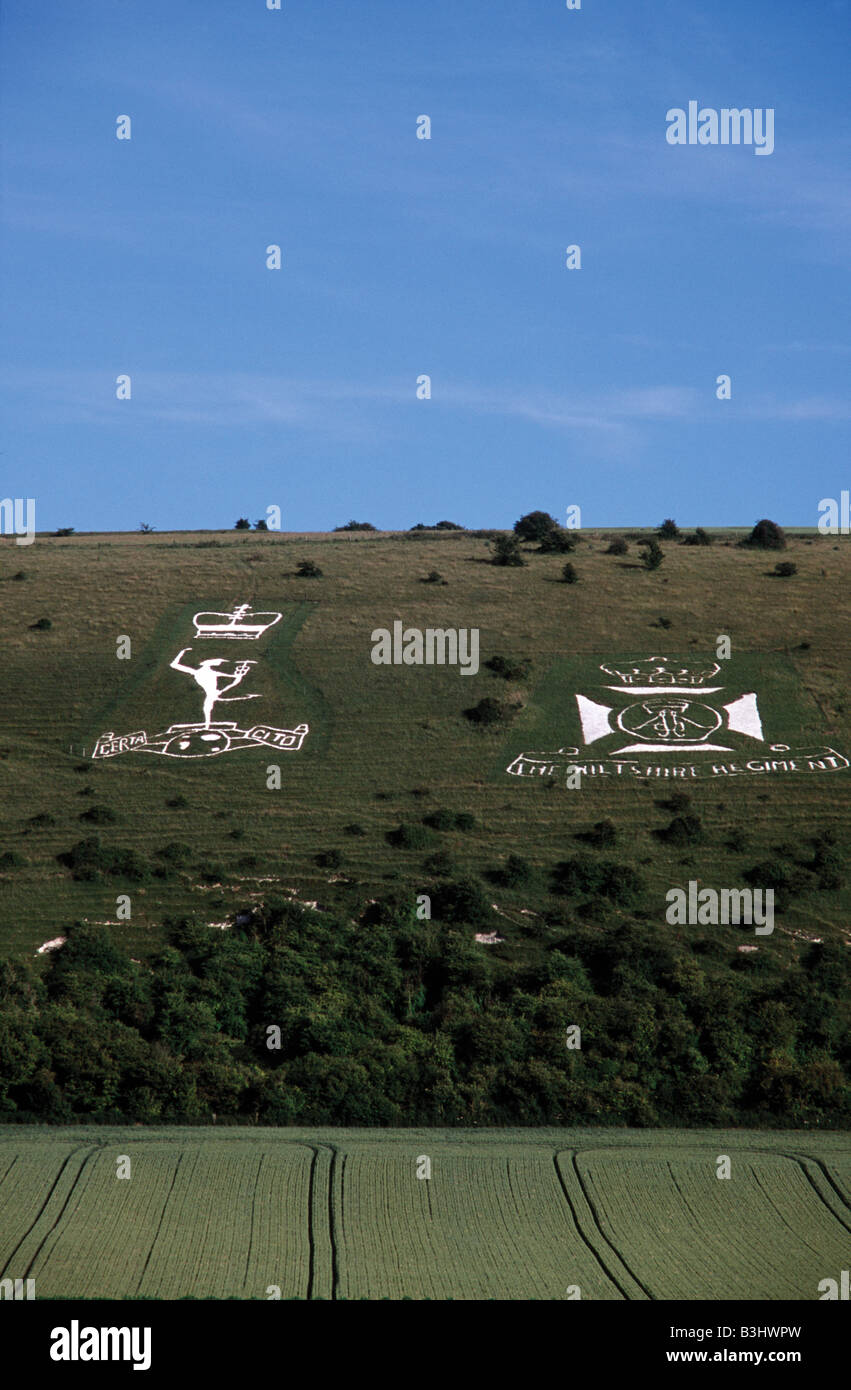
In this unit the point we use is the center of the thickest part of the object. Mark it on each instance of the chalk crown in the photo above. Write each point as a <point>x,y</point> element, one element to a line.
<point>659,671</point>
<point>239,625</point>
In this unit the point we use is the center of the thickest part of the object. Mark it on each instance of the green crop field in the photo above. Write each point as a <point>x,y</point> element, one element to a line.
<point>331,1214</point>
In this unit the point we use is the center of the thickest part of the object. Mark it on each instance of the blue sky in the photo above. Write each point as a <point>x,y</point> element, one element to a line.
<point>403,257</point>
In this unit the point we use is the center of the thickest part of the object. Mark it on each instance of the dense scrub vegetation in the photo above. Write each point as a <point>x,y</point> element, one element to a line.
<point>391,1020</point>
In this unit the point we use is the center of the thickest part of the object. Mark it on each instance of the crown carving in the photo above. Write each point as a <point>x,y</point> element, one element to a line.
<point>656,671</point>
<point>239,625</point>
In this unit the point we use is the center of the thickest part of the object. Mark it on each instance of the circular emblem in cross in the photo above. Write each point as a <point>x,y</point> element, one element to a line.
<point>667,719</point>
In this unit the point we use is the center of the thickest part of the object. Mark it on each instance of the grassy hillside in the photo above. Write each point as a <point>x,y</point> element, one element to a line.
<point>396,806</point>
<point>390,744</point>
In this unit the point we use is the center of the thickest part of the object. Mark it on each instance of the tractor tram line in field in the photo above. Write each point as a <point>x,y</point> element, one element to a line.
<point>581,1233</point>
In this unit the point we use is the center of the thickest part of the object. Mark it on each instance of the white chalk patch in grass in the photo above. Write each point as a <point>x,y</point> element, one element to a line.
<point>52,945</point>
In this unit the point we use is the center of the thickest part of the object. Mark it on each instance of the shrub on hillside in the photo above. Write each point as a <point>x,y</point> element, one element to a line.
<point>585,874</point>
<point>175,853</point>
<point>569,574</point>
<point>617,547</point>
<point>463,900</point>
<point>700,537</point>
<point>308,570</point>
<point>507,552</point>
<point>511,668</point>
<point>766,535</point>
<point>558,542</point>
<point>356,526</point>
<point>683,830</point>
<point>669,530</point>
<point>489,711</point>
<point>99,815</point>
<point>785,569</point>
<point>603,835</point>
<point>535,525</point>
<point>441,864</point>
<point>409,837</point>
<point>653,555</point>
<point>441,819</point>
<point>243,524</point>
<point>90,862</point>
<point>516,872</point>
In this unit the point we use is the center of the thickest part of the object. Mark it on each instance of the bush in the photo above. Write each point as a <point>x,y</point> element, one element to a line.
<point>177,802</point>
<point>441,864</point>
<point>507,552</point>
<point>356,526</point>
<point>175,853</point>
<point>829,865</point>
<point>99,815</point>
<point>653,555</point>
<point>434,577</point>
<point>683,830</point>
<point>43,819</point>
<point>669,530</point>
<point>617,547</point>
<point>447,526</point>
<point>489,711</point>
<point>569,575</point>
<point>461,901</point>
<point>308,570</point>
<point>785,569</point>
<point>603,835</point>
<point>261,525</point>
<point>516,872</point>
<point>700,537</point>
<point>766,535</point>
<point>21,574</point>
<point>243,524</point>
<point>329,859</point>
<point>42,625</point>
<point>535,525</point>
<point>409,837</point>
<point>12,860</point>
<point>558,542</point>
<point>441,819</point>
<point>511,668</point>
<point>620,883</point>
<point>89,861</point>
<point>64,531</point>
<point>354,829</point>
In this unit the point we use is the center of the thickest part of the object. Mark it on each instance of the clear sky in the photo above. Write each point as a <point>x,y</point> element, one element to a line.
<point>400,257</point>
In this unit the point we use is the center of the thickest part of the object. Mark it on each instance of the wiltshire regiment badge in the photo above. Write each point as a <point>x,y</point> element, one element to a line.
<point>659,717</point>
<point>216,678</point>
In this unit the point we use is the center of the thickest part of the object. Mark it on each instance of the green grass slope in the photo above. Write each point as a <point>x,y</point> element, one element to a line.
<point>390,744</point>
